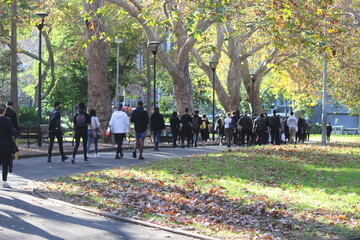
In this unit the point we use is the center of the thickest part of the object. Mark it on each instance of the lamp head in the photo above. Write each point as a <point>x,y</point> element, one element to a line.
<point>154,46</point>
<point>42,15</point>
<point>253,77</point>
<point>118,41</point>
<point>213,65</point>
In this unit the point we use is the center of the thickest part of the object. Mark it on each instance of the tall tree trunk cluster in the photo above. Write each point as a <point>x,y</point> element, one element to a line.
<point>97,55</point>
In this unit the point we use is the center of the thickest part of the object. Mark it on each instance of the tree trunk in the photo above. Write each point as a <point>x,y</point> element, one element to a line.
<point>14,56</point>
<point>97,55</point>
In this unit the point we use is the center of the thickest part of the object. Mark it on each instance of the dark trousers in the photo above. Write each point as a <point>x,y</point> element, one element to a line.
<point>4,161</point>
<point>246,132</point>
<point>59,137</point>
<point>175,133</point>
<point>186,133</point>
<point>119,138</point>
<point>78,135</point>
<point>275,136</point>
<point>195,136</point>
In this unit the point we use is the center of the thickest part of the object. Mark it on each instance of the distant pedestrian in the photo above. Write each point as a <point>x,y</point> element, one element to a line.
<point>140,118</point>
<point>328,131</point>
<point>81,122</point>
<point>259,129</point>
<point>196,121</point>
<point>10,113</point>
<point>229,128</point>
<point>186,128</point>
<point>220,128</point>
<point>246,123</point>
<point>5,145</point>
<point>292,123</point>
<point>56,131</point>
<point>119,125</point>
<point>96,125</point>
<point>301,134</point>
<point>175,128</point>
<point>204,129</point>
<point>237,133</point>
<point>275,129</point>
<point>157,124</point>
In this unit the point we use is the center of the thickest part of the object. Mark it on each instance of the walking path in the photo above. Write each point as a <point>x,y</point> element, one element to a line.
<point>25,216</point>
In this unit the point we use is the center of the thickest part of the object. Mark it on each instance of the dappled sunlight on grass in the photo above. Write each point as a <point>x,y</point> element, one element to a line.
<point>288,192</point>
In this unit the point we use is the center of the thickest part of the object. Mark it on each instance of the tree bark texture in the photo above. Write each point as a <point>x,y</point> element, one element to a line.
<point>14,56</point>
<point>97,55</point>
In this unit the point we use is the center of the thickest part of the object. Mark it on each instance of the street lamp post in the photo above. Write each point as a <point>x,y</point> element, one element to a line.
<point>40,26</point>
<point>117,41</point>
<point>154,48</point>
<point>213,65</point>
<point>253,78</point>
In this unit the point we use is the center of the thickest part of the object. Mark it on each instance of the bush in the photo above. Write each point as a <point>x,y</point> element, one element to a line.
<point>315,128</point>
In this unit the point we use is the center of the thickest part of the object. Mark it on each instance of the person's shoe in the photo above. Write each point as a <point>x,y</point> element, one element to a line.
<point>156,149</point>
<point>97,155</point>
<point>86,159</point>
<point>117,156</point>
<point>63,158</point>
<point>73,161</point>
<point>134,154</point>
<point>141,157</point>
<point>6,185</point>
<point>49,159</point>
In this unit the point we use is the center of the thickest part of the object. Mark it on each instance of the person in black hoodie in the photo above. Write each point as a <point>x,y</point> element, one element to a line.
<point>186,128</point>
<point>246,123</point>
<point>5,145</point>
<point>175,127</point>
<point>275,129</point>
<point>82,121</point>
<point>157,124</point>
<point>140,118</point>
<point>55,131</point>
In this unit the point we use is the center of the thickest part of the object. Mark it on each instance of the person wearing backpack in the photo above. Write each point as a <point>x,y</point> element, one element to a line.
<point>82,121</point>
<point>96,124</point>
<point>55,131</point>
<point>186,127</point>
<point>204,129</point>
<point>196,122</point>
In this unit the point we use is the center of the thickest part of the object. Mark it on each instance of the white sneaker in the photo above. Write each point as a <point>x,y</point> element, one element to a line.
<point>96,155</point>
<point>6,185</point>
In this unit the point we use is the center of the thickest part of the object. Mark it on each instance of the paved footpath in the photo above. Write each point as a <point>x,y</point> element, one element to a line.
<point>25,216</point>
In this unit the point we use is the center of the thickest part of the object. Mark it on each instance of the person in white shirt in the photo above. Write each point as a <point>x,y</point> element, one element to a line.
<point>96,125</point>
<point>119,125</point>
<point>229,128</point>
<point>292,123</point>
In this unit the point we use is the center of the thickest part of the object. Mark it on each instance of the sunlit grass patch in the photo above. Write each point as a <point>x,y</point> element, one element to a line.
<point>285,192</point>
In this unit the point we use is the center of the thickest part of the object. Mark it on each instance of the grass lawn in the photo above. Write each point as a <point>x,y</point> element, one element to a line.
<point>302,191</point>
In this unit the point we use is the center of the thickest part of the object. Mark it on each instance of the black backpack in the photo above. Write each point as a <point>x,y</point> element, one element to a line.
<point>195,123</point>
<point>81,120</point>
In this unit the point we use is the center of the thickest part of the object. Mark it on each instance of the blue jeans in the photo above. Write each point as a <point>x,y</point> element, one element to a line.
<point>89,140</point>
<point>157,134</point>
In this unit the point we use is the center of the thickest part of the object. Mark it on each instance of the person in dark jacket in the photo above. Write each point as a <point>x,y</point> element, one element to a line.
<point>140,118</point>
<point>55,131</point>
<point>275,129</point>
<point>10,113</point>
<point>246,123</point>
<point>328,131</point>
<point>186,128</point>
<point>82,121</point>
<point>204,129</point>
<point>259,129</point>
<point>5,145</point>
<point>157,124</point>
<point>175,127</point>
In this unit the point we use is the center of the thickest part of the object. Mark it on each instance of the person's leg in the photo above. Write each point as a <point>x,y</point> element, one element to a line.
<point>141,147</point>
<point>96,140</point>
<point>61,147</point>
<point>51,144</point>
<point>85,139</point>
<point>157,138</point>
<point>77,144</point>
<point>89,140</point>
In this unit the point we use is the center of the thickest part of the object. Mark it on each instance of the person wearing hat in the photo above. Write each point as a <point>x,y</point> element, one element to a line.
<point>119,125</point>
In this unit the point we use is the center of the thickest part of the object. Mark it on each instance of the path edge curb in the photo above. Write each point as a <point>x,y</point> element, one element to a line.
<point>124,219</point>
